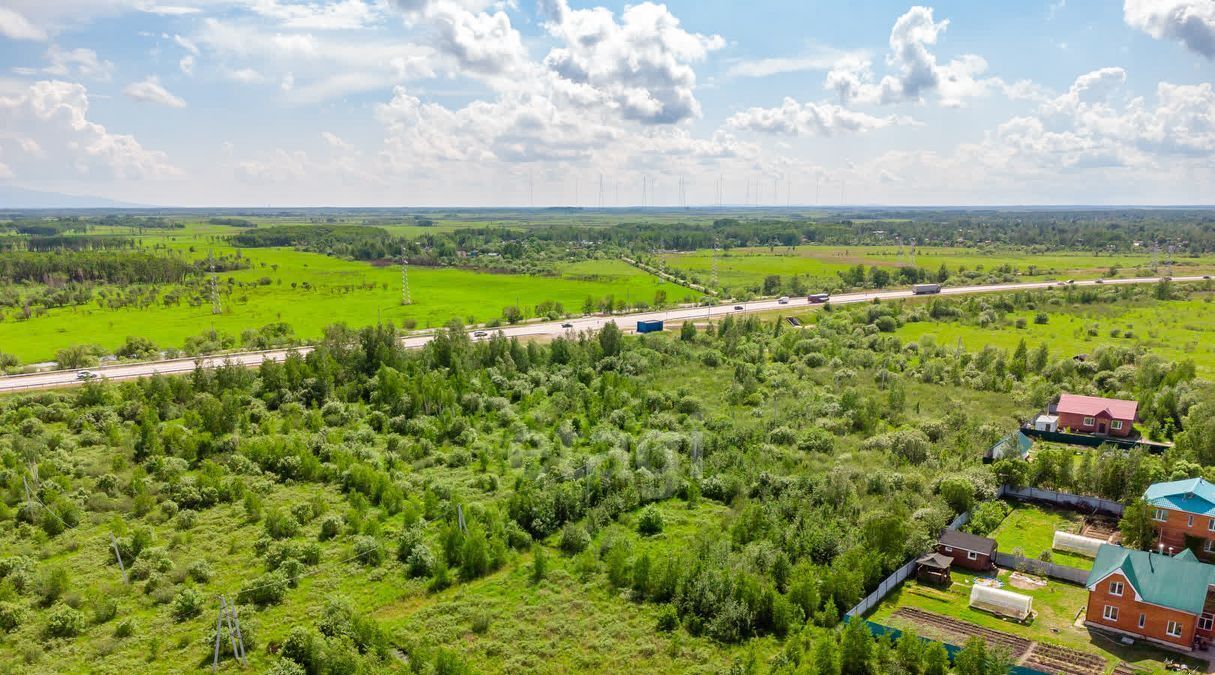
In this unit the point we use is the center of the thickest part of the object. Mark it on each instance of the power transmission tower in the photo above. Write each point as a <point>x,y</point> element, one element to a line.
<point>713,269</point>
<point>215,308</point>
<point>405,299</point>
<point>229,621</point>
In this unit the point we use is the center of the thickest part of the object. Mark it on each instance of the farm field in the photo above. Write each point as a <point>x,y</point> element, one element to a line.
<point>1176,330</point>
<point>747,267</point>
<point>310,291</point>
<point>1032,529</point>
<point>1057,606</point>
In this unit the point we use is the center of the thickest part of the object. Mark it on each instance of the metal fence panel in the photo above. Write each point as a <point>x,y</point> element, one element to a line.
<point>1094,504</point>
<point>1061,572</point>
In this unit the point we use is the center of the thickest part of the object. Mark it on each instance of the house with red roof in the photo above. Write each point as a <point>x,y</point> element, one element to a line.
<point>1096,415</point>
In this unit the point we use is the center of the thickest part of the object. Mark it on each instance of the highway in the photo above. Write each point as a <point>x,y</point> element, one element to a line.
<point>125,371</point>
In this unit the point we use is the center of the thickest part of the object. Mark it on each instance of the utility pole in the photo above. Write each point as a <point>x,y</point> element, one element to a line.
<point>118,554</point>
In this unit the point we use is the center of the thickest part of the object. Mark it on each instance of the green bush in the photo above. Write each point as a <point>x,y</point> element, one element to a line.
<point>187,605</point>
<point>105,608</point>
<point>369,551</point>
<point>816,439</point>
<point>200,571</point>
<point>53,585</point>
<point>268,589</point>
<point>668,618</point>
<point>64,622</point>
<point>331,527</point>
<point>12,615</point>
<point>574,539</point>
<point>650,521</point>
<point>281,525</point>
<point>125,628</point>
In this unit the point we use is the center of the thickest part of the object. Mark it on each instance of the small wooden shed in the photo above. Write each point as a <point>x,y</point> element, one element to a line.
<point>969,551</point>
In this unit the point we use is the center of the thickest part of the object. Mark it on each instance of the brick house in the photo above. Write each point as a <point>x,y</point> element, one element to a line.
<point>969,551</point>
<point>1183,512</point>
<point>1096,415</point>
<point>1150,596</point>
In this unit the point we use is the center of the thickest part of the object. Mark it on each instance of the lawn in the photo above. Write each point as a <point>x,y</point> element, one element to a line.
<point>1176,330</point>
<point>1057,605</point>
<point>1032,529</point>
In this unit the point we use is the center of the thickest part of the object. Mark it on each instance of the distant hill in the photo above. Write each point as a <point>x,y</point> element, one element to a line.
<point>13,197</point>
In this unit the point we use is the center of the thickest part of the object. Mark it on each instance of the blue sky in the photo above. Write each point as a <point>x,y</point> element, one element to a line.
<point>475,102</point>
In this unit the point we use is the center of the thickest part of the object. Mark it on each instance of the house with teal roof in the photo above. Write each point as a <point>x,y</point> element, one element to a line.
<point>1183,512</point>
<point>1147,595</point>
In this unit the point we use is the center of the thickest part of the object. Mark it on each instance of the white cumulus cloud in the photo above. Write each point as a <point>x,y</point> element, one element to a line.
<point>915,72</point>
<point>150,90</point>
<point>1192,22</point>
<point>47,131</point>
<point>810,119</point>
<point>641,65</point>
<point>15,26</point>
<point>77,62</point>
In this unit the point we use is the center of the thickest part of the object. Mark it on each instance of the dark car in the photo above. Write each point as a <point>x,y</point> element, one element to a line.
<point>480,333</point>
<point>567,325</point>
<point>738,306</point>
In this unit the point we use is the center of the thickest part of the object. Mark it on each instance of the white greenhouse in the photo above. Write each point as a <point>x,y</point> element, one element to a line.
<point>1001,602</point>
<point>1078,544</point>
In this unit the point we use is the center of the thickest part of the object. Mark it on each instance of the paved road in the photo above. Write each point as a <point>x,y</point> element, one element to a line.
<point>63,378</point>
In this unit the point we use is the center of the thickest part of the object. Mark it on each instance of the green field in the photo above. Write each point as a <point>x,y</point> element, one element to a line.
<point>747,267</point>
<point>341,291</point>
<point>1032,529</point>
<point>1177,330</point>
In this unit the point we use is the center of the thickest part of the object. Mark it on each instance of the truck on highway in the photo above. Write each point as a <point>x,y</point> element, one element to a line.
<point>818,298</point>
<point>926,289</point>
<point>649,326</point>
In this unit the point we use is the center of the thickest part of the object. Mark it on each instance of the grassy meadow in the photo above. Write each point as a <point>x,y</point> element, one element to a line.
<point>310,291</point>
<point>1176,330</point>
<point>747,267</point>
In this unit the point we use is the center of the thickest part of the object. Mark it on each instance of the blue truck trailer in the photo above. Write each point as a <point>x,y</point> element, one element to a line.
<point>649,326</point>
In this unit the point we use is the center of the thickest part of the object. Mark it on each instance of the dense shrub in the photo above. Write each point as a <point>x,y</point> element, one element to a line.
<point>187,604</point>
<point>368,551</point>
<point>64,622</point>
<point>12,615</point>
<point>650,521</point>
<point>268,589</point>
<point>574,539</point>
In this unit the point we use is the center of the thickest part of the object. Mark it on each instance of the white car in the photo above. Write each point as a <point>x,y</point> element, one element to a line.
<point>784,300</point>
<point>480,333</point>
